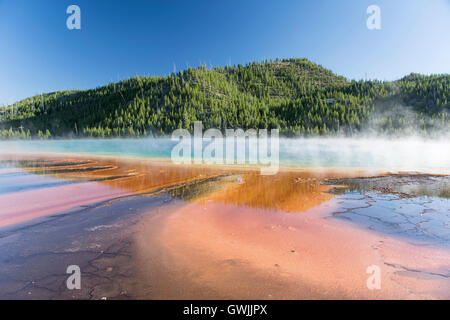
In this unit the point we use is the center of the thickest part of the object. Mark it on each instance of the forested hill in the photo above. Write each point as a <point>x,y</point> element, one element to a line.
<point>294,95</point>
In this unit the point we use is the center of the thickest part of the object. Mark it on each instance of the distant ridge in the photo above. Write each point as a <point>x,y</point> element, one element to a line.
<point>295,95</point>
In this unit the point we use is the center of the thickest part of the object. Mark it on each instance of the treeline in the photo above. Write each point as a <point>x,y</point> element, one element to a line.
<point>294,95</point>
<point>23,134</point>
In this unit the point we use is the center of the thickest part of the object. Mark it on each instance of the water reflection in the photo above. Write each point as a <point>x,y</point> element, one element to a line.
<point>285,191</point>
<point>45,186</point>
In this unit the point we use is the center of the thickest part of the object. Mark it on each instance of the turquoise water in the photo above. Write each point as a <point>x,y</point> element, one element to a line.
<point>407,154</point>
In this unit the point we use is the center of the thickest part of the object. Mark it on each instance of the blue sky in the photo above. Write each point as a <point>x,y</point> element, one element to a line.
<point>119,39</point>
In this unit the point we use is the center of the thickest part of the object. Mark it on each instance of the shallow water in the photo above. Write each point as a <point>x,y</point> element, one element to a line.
<point>129,221</point>
<point>20,181</point>
<point>412,205</point>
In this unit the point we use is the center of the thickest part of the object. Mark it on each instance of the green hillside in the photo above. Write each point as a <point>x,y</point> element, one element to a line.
<point>294,95</point>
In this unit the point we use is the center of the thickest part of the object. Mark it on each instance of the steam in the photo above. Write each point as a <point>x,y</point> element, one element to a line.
<point>413,153</point>
<point>409,154</point>
<point>395,119</point>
